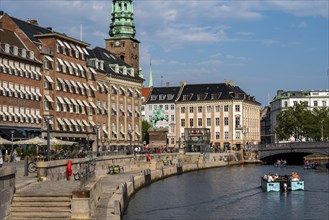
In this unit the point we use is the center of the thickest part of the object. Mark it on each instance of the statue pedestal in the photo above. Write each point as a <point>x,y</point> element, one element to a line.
<point>158,137</point>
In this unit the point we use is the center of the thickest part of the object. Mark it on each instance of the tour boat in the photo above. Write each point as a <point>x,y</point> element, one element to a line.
<point>270,186</point>
<point>282,184</point>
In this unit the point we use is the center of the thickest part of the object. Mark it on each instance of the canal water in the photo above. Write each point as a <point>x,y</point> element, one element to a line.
<point>231,193</point>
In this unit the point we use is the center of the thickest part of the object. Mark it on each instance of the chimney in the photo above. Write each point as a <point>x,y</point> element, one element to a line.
<point>50,28</point>
<point>167,84</point>
<point>32,21</point>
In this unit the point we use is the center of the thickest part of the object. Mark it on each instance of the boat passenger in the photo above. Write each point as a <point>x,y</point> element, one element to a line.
<point>275,177</point>
<point>294,176</point>
<point>270,178</point>
<point>265,177</point>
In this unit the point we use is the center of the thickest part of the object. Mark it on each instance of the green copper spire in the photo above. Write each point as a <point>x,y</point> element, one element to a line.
<point>151,77</point>
<point>122,25</point>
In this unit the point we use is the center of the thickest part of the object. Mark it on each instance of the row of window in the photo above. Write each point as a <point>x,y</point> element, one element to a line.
<point>316,103</point>
<point>209,122</point>
<point>166,107</point>
<point>16,71</point>
<point>71,50</point>
<point>19,91</point>
<point>208,108</point>
<point>20,114</point>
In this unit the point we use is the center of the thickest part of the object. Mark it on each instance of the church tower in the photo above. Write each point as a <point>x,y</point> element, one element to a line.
<point>121,40</point>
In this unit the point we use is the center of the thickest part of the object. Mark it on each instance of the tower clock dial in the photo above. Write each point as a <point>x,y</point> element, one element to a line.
<point>117,43</point>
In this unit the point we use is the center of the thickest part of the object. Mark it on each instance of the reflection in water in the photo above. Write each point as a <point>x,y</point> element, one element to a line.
<point>231,193</point>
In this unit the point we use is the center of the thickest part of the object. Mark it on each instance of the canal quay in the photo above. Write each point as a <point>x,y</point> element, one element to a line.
<point>50,194</point>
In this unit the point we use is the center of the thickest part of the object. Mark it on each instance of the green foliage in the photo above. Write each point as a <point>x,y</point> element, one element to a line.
<point>145,134</point>
<point>300,122</point>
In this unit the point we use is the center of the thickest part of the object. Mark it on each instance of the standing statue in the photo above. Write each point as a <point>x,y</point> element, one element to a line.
<point>158,115</point>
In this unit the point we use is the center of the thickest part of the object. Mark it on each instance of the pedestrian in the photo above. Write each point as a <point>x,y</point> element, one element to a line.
<point>1,159</point>
<point>6,156</point>
<point>15,156</point>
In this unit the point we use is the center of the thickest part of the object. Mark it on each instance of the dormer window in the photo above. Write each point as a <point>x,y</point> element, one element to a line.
<point>162,97</point>
<point>24,53</point>
<point>170,97</point>
<point>124,70</point>
<point>153,97</point>
<point>185,97</point>
<point>6,48</point>
<point>116,70</point>
<point>31,55</point>
<point>15,50</point>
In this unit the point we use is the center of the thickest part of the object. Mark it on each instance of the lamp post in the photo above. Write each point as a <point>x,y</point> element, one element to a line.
<point>97,139</point>
<point>130,136</point>
<point>12,139</point>
<point>47,118</point>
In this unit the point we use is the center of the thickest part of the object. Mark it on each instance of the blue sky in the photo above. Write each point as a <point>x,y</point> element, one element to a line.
<point>263,46</point>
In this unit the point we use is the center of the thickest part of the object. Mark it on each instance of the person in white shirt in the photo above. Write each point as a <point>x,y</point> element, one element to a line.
<point>270,178</point>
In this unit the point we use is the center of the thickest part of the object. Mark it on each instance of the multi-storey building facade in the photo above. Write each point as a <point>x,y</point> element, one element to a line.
<point>75,88</point>
<point>285,99</point>
<point>265,125</point>
<point>20,88</point>
<point>164,97</point>
<point>232,116</point>
<point>124,96</point>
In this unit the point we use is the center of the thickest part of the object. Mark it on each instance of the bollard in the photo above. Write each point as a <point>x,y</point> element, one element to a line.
<point>132,179</point>
<point>26,166</point>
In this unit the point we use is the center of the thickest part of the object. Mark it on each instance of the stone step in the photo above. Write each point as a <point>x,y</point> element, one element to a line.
<point>40,215</point>
<point>42,198</point>
<point>38,204</point>
<point>40,209</point>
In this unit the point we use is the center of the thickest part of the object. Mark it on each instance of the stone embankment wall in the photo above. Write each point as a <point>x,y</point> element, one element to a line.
<point>7,189</point>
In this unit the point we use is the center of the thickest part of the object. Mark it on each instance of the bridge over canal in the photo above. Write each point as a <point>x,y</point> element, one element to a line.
<point>294,150</point>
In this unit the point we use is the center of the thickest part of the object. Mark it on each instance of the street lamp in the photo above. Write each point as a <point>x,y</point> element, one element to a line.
<point>97,139</point>
<point>12,139</point>
<point>130,136</point>
<point>47,118</point>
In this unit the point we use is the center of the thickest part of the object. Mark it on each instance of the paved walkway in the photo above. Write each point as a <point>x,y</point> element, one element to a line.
<point>30,185</point>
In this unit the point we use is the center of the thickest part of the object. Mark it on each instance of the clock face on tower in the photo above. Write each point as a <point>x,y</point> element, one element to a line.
<point>117,43</point>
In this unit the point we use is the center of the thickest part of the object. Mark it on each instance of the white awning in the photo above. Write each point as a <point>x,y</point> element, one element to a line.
<point>138,91</point>
<point>130,90</point>
<point>80,67</point>
<point>92,123</point>
<point>85,122</point>
<point>85,103</point>
<point>60,121</point>
<point>106,86</point>
<point>73,122</point>
<point>92,70</point>
<point>93,88</point>
<point>74,102</point>
<point>67,100</point>
<point>73,65</point>
<point>122,89</point>
<point>67,82</point>
<point>100,85</point>
<point>74,48</point>
<point>73,83</point>
<point>80,123</point>
<point>84,50</point>
<point>93,105</point>
<point>67,121</point>
<point>79,49</point>
<point>60,61</point>
<point>49,98</point>
<point>67,63</point>
<point>86,86</point>
<point>38,93</point>
<point>60,100</point>
<point>105,131</point>
<point>80,85</point>
<point>114,132</point>
<point>114,87</point>
<point>60,80</point>
<point>49,58</point>
<point>80,103</point>
<point>49,79</point>
<point>86,68</point>
<point>67,45</point>
<point>60,43</point>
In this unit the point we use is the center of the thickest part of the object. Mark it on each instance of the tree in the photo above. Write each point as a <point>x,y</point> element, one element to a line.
<point>300,122</point>
<point>145,134</point>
